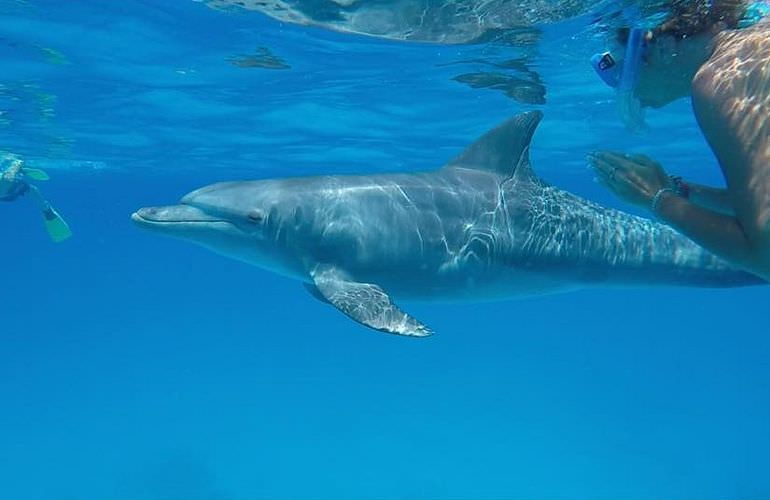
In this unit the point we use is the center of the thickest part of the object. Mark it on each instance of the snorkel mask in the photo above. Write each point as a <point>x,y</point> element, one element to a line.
<point>623,76</point>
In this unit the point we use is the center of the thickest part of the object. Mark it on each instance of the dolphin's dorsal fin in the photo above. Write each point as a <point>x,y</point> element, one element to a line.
<point>504,148</point>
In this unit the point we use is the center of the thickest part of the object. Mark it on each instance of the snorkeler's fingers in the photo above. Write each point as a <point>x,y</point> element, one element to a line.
<point>611,177</point>
<point>602,169</point>
<point>625,178</point>
<point>630,160</point>
<point>601,163</point>
<point>640,158</point>
<point>604,179</point>
<point>606,156</point>
<point>612,160</point>
<point>648,162</point>
<point>610,155</point>
<point>612,173</point>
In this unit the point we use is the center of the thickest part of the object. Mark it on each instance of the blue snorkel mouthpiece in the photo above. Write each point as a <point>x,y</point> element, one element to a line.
<point>624,76</point>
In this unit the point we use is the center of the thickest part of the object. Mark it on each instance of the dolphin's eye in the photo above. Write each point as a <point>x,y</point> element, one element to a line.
<point>256,216</point>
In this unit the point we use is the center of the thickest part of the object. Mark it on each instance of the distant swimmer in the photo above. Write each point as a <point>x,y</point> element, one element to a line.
<point>13,185</point>
<point>718,52</point>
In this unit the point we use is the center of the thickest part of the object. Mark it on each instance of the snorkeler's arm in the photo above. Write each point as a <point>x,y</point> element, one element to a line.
<point>717,232</point>
<point>711,198</point>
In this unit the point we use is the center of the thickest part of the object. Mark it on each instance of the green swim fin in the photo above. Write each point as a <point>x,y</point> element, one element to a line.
<point>35,174</point>
<point>57,228</point>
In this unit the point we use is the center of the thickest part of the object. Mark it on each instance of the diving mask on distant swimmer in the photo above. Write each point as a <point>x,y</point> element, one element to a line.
<point>623,76</point>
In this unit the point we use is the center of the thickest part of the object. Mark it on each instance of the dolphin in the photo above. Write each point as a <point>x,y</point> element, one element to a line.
<point>482,227</point>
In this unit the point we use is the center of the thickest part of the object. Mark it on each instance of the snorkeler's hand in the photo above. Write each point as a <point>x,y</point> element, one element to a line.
<point>633,178</point>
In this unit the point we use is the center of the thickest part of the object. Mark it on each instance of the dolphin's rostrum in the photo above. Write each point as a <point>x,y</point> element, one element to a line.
<point>482,227</point>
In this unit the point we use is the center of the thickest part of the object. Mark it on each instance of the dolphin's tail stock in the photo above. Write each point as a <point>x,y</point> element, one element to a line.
<point>637,251</point>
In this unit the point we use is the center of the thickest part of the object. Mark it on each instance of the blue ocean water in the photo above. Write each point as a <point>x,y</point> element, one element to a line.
<point>135,366</point>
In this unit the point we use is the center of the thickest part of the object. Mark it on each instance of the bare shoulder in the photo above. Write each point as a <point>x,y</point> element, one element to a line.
<point>739,57</point>
<point>735,81</point>
<point>731,99</point>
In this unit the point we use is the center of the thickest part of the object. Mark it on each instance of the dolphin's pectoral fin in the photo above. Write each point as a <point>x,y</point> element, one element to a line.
<point>366,303</point>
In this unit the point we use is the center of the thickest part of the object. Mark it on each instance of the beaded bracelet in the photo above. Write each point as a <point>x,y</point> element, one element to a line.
<point>658,196</point>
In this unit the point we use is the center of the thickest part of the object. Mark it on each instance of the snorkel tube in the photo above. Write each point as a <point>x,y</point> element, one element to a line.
<point>623,77</point>
<point>631,111</point>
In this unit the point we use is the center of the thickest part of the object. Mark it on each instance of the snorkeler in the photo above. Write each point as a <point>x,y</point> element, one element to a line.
<point>718,52</point>
<point>13,184</point>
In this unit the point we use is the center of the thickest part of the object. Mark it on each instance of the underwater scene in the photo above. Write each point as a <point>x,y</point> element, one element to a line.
<point>384,249</point>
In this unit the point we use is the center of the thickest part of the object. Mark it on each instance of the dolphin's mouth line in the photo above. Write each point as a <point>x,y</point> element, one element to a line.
<point>137,217</point>
<point>178,221</point>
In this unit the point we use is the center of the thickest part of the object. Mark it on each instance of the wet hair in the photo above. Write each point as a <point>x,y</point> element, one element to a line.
<point>691,17</point>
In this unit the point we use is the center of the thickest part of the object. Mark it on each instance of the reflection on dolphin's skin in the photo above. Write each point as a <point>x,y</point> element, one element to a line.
<point>261,58</point>
<point>443,21</point>
<point>482,227</point>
